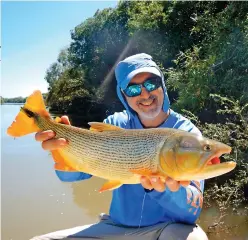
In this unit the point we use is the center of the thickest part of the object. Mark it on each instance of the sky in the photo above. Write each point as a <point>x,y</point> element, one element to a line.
<point>32,35</point>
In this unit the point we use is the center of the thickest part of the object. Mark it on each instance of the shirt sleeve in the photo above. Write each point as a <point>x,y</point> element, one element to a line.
<point>185,205</point>
<point>72,176</point>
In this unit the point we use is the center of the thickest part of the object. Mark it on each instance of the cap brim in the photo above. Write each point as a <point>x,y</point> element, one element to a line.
<point>152,70</point>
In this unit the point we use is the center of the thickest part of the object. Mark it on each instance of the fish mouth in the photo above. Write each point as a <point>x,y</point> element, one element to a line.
<point>210,170</point>
<point>223,150</point>
<point>215,170</point>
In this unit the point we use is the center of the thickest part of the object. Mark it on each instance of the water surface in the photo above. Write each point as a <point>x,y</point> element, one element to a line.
<point>34,201</point>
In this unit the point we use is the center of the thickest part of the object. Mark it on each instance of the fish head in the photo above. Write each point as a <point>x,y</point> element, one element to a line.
<point>188,156</point>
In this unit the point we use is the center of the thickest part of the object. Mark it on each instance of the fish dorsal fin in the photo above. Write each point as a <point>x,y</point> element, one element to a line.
<point>101,127</point>
<point>35,103</point>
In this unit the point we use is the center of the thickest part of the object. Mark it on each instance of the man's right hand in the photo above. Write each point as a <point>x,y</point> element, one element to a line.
<point>47,137</point>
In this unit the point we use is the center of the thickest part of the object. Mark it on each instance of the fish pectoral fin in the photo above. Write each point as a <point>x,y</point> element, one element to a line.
<point>60,163</point>
<point>110,185</point>
<point>100,127</point>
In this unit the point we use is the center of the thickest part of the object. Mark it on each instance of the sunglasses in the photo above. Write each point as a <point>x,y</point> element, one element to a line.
<point>151,84</point>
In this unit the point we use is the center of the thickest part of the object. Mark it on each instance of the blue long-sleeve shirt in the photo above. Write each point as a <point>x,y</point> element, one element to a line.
<point>127,201</point>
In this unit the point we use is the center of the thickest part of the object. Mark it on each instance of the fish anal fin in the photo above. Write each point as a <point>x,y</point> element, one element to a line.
<point>22,125</point>
<point>60,162</point>
<point>100,127</point>
<point>110,185</point>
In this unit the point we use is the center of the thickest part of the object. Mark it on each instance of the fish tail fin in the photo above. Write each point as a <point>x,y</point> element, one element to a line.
<point>24,122</point>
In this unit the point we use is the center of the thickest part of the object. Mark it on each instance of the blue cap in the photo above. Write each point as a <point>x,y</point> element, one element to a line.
<point>131,66</point>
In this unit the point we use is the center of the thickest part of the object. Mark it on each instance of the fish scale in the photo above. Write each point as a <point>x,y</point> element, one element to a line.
<point>91,150</point>
<point>120,155</point>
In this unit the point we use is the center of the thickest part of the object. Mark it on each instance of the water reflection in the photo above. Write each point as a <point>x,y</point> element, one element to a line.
<point>234,227</point>
<point>86,196</point>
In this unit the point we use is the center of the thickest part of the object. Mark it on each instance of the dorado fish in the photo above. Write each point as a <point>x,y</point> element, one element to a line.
<point>120,155</point>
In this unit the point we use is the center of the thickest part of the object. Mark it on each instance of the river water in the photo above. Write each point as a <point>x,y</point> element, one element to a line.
<point>35,202</point>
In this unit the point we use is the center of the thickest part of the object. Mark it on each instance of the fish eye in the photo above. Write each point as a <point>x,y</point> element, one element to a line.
<point>207,147</point>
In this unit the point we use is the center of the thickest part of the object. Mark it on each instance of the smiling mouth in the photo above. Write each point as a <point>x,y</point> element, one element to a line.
<point>147,103</point>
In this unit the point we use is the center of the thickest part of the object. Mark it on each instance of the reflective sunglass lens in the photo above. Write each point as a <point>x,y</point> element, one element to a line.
<point>133,90</point>
<point>152,84</point>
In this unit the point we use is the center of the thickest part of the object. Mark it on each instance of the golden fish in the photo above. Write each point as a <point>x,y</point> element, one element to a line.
<point>123,155</point>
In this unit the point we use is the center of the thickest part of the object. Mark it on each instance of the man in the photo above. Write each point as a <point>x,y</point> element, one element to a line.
<point>152,209</point>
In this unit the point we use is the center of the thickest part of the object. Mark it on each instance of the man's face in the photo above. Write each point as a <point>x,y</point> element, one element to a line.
<point>148,104</point>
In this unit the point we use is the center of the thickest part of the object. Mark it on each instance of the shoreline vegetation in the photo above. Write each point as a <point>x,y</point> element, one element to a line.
<point>12,100</point>
<point>202,48</point>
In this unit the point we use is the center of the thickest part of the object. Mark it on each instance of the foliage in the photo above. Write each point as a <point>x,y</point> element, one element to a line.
<point>72,83</point>
<point>112,34</point>
<point>218,65</point>
<point>13,100</point>
<point>2,99</point>
<point>228,192</point>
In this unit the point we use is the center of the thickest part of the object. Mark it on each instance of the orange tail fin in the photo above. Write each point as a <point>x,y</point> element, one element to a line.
<point>24,123</point>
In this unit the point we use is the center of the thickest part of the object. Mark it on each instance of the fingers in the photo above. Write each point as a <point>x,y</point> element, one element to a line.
<point>53,144</point>
<point>185,183</point>
<point>146,183</point>
<point>153,183</point>
<point>47,137</point>
<point>44,135</point>
<point>48,141</point>
<point>65,120</point>
<point>157,184</point>
<point>160,184</point>
<point>172,184</point>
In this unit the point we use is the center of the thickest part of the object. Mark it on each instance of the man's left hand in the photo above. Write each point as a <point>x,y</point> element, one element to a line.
<point>160,185</point>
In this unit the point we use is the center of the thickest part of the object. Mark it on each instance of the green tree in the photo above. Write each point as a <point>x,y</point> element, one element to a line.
<point>217,65</point>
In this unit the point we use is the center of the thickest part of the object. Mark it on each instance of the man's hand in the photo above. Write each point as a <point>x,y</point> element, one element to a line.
<point>160,185</point>
<point>47,137</point>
